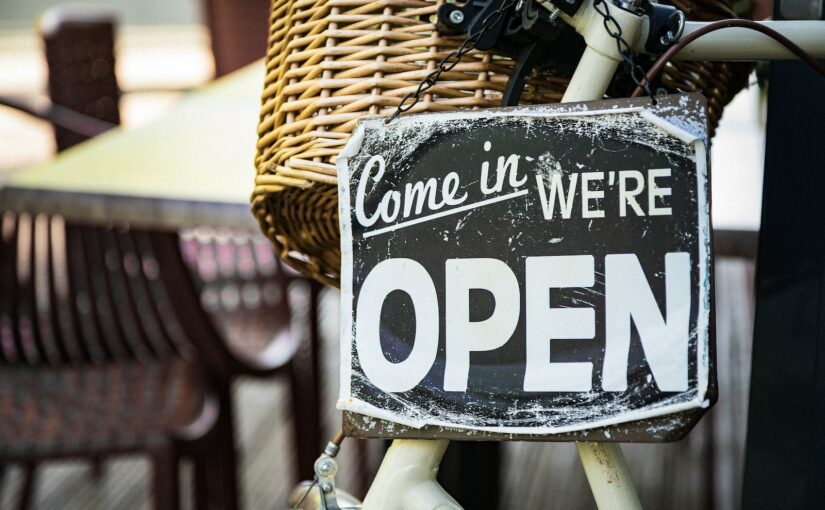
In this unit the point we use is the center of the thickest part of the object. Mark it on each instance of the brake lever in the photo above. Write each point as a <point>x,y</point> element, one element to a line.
<point>532,35</point>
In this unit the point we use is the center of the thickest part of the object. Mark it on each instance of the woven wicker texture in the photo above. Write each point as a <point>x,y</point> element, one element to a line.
<point>331,62</point>
<point>69,411</point>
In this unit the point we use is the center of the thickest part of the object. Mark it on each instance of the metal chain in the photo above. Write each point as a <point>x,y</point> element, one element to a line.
<point>637,72</point>
<point>450,61</point>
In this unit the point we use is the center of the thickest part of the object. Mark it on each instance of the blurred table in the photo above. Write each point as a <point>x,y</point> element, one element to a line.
<point>194,166</point>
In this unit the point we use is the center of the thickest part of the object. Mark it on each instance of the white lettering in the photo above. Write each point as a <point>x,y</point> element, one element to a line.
<point>628,196</point>
<point>363,219</point>
<point>419,193</point>
<point>545,323</point>
<point>654,192</point>
<point>557,189</point>
<point>629,299</point>
<point>449,188</point>
<point>464,336</point>
<point>411,277</point>
<point>511,164</point>
<point>395,198</point>
<point>588,195</point>
<point>665,342</point>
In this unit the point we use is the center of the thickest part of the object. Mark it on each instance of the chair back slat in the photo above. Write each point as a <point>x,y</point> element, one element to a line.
<point>9,334</point>
<point>134,334</point>
<point>64,311</point>
<point>114,338</point>
<point>51,338</point>
<point>175,333</point>
<point>272,278</point>
<point>155,337</point>
<point>29,330</point>
<point>238,279</point>
<point>85,303</point>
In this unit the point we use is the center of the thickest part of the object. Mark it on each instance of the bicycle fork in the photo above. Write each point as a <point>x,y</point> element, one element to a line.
<point>406,479</point>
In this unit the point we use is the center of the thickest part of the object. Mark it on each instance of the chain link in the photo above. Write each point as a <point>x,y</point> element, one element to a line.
<point>637,72</point>
<point>450,61</point>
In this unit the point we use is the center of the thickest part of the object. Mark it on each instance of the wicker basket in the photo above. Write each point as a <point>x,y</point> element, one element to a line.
<point>330,62</point>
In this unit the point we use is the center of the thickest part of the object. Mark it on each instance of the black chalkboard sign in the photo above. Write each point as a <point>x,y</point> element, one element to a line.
<point>537,270</point>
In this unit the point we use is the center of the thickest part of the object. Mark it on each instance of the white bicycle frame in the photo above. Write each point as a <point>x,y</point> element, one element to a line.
<point>406,478</point>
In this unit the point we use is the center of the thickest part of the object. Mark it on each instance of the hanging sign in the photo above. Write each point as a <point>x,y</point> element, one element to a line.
<point>533,270</point>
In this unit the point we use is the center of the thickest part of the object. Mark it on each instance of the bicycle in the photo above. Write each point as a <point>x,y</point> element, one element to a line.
<point>613,34</point>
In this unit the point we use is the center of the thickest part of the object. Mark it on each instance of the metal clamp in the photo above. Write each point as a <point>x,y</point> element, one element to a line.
<point>666,26</point>
<point>321,493</point>
<point>326,468</point>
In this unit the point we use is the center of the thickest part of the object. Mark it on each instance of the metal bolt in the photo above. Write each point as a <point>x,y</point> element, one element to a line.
<point>326,487</point>
<point>668,38</point>
<point>456,17</point>
<point>325,468</point>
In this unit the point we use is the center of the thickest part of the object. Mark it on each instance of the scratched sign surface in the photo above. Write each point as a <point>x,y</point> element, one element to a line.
<point>533,270</point>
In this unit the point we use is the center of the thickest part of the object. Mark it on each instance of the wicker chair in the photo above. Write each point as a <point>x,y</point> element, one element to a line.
<point>245,290</point>
<point>105,345</point>
<point>238,30</point>
<point>96,357</point>
<point>105,349</point>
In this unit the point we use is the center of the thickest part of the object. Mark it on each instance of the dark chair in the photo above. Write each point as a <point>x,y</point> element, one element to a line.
<point>224,309</point>
<point>79,47</point>
<point>105,349</point>
<point>95,355</point>
<point>238,30</point>
<point>246,291</point>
